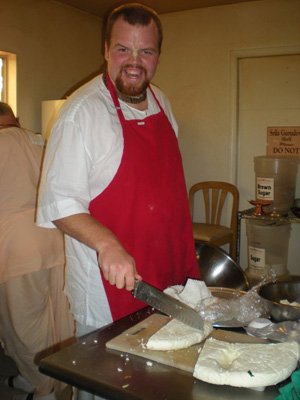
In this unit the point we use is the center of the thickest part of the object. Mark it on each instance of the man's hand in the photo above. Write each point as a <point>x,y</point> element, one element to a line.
<point>118,266</point>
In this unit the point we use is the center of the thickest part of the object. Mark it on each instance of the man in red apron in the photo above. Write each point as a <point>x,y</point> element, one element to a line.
<point>138,225</point>
<point>113,180</point>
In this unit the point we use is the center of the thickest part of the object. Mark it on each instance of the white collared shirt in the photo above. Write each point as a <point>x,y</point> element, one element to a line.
<point>83,155</point>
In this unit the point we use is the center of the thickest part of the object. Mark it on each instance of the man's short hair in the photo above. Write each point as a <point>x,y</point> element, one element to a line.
<point>134,14</point>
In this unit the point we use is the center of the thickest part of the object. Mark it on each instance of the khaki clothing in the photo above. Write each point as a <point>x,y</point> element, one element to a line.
<point>34,312</point>
<point>24,247</point>
<point>35,322</point>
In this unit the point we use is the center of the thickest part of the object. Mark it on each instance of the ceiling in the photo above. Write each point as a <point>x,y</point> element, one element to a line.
<point>101,8</point>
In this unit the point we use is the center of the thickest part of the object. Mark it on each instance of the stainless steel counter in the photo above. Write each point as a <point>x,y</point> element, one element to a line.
<point>89,365</point>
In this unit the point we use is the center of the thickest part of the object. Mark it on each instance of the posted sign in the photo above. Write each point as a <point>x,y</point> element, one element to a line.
<point>283,141</point>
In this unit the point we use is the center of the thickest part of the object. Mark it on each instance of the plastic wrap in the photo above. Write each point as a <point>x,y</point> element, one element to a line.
<point>241,308</point>
<point>236,311</point>
<point>287,331</point>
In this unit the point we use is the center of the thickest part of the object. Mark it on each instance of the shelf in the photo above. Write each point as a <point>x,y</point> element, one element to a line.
<point>248,214</point>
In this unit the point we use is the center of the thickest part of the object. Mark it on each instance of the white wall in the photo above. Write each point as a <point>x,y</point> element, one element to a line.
<point>57,48</point>
<point>196,73</point>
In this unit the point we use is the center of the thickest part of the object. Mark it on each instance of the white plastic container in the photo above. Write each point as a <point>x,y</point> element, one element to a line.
<point>268,244</point>
<point>275,180</point>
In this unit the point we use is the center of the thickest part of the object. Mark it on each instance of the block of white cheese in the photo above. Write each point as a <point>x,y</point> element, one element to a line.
<point>195,293</point>
<point>246,364</point>
<point>176,335</point>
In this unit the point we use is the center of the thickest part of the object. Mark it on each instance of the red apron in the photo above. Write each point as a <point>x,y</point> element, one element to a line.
<point>146,207</point>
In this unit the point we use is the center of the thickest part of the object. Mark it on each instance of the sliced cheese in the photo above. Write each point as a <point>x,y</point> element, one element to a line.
<point>175,335</point>
<point>246,364</point>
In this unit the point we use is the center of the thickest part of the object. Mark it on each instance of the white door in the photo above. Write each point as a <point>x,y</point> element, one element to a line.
<point>268,95</point>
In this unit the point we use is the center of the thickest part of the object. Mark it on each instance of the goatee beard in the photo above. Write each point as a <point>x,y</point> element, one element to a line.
<point>131,90</point>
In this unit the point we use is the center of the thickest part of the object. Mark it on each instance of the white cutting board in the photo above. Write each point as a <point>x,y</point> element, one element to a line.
<point>131,342</point>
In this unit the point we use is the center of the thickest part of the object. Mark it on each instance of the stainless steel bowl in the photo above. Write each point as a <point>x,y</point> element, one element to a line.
<point>271,295</point>
<point>218,269</point>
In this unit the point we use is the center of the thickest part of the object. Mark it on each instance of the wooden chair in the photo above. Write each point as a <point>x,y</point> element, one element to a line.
<point>214,194</point>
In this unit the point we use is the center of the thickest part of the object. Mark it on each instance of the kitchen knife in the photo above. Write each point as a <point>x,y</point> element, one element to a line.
<point>167,304</point>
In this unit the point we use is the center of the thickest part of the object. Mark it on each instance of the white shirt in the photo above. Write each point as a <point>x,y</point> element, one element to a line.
<point>82,157</point>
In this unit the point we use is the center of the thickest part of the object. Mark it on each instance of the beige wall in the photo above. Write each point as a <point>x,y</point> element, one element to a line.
<point>195,72</point>
<point>57,48</point>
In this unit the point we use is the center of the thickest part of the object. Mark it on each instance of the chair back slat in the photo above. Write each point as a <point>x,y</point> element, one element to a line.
<point>214,206</point>
<point>222,198</point>
<point>206,205</point>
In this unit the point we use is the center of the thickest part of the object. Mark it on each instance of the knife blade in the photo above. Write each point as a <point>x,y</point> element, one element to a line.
<point>167,304</point>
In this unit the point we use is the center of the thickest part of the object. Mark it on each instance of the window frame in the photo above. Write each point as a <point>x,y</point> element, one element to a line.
<point>9,73</point>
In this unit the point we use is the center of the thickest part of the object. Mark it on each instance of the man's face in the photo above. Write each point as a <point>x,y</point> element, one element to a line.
<point>132,56</point>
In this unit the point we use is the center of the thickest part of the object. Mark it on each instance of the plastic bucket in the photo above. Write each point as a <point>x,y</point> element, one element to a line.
<point>276,181</point>
<point>268,244</point>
